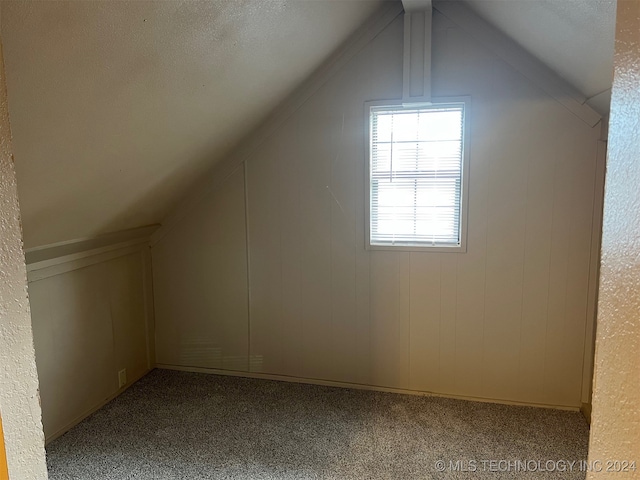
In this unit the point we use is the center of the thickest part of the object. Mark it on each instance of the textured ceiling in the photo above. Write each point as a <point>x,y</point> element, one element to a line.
<point>573,37</point>
<point>118,107</point>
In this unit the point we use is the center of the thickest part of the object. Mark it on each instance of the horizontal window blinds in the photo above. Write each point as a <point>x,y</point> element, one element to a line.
<point>416,175</point>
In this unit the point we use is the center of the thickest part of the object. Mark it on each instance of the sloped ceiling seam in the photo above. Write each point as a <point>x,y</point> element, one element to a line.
<point>223,169</point>
<point>519,59</point>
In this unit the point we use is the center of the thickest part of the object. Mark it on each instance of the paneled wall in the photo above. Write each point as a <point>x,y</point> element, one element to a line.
<point>200,284</point>
<point>91,318</point>
<point>283,285</point>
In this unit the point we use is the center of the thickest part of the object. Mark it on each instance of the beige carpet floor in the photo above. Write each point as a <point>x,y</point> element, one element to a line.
<point>174,425</point>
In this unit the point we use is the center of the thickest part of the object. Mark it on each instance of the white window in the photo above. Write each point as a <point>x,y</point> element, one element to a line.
<point>417,176</point>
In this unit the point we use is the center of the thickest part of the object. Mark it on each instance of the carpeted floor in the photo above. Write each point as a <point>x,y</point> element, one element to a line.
<point>173,425</point>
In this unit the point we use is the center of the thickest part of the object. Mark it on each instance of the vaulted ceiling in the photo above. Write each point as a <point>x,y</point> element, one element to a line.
<point>573,37</point>
<point>118,108</point>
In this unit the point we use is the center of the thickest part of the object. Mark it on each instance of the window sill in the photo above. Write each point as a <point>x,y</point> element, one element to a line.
<point>416,248</point>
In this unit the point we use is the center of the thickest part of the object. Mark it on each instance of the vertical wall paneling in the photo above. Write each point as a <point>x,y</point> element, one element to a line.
<point>425,314</point>
<point>593,275</point>
<point>355,129</point>
<point>265,276</point>
<point>127,305</point>
<point>505,237</point>
<point>389,324</point>
<point>581,227</point>
<point>74,343</point>
<point>558,270</point>
<point>448,323</point>
<point>149,308</point>
<point>90,320</point>
<point>200,284</point>
<point>343,249</point>
<point>248,264</point>
<point>504,321</point>
<point>291,316</point>
<point>538,238</point>
<point>470,268</point>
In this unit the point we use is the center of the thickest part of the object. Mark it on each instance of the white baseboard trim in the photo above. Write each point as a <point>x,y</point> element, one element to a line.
<point>357,386</point>
<point>95,408</point>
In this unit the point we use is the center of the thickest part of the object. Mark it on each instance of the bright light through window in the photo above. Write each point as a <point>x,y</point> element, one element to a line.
<point>415,175</point>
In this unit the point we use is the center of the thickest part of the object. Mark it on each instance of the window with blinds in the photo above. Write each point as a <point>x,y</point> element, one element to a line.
<point>416,173</point>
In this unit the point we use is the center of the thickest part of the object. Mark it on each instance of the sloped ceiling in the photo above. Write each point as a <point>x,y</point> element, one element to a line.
<point>575,38</point>
<point>118,108</point>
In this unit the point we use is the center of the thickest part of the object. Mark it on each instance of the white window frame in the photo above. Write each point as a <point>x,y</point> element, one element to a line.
<point>464,188</point>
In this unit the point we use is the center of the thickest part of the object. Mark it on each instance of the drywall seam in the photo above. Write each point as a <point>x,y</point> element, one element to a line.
<point>356,386</point>
<point>328,69</point>
<point>19,398</point>
<point>520,59</point>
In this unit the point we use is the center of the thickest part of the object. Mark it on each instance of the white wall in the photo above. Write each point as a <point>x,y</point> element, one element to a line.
<point>92,317</point>
<point>200,284</point>
<point>19,401</point>
<point>615,429</point>
<point>504,321</point>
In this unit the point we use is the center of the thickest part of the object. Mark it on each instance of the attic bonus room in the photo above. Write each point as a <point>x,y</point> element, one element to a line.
<point>319,239</point>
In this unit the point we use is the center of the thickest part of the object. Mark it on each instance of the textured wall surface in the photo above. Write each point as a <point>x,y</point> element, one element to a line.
<point>615,428</point>
<point>19,400</point>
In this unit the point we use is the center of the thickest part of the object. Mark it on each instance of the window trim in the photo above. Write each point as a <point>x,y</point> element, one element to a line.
<point>464,189</point>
